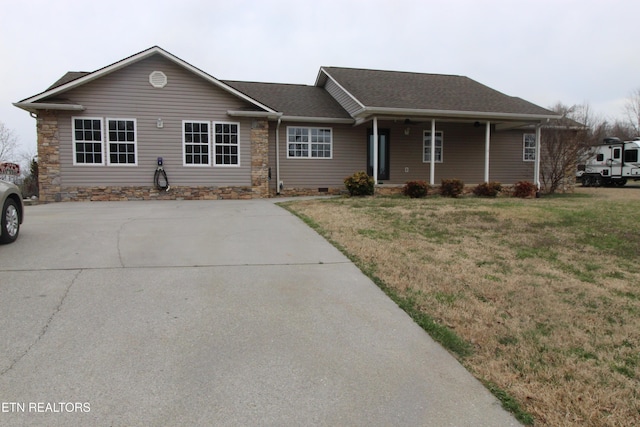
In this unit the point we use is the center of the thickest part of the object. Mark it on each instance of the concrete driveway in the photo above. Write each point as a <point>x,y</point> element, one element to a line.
<point>212,313</point>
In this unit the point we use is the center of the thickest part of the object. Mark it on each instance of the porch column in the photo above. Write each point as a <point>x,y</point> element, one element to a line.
<point>375,150</point>
<point>536,168</point>
<point>487,143</point>
<point>432,163</point>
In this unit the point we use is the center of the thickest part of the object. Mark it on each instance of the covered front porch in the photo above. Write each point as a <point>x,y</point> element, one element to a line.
<point>473,151</point>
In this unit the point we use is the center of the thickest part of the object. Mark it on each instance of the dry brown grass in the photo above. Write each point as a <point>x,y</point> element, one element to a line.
<point>546,290</point>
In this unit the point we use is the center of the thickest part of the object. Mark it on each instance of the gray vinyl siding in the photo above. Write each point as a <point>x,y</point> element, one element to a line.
<point>345,100</point>
<point>463,154</point>
<point>507,165</point>
<point>348,156</point>
<point>127,94</point>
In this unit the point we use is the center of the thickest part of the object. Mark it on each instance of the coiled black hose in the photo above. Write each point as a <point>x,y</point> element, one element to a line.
<point>160,179</point>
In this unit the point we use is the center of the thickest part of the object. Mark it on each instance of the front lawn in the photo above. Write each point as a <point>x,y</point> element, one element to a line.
<point>538,298</point>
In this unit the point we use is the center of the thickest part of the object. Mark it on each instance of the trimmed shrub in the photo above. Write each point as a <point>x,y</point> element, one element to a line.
<point>451,187</point>
<point>415,189</point>
<point>524,189</point>
<point>488,189</point>
<point>359,184</point>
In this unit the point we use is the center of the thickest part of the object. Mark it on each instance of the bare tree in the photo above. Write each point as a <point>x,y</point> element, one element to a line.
<point>8,143</point>
<point>563,143</point>
<point>632,111</point>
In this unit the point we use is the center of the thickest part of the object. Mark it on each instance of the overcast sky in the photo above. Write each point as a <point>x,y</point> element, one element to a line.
<point>543,51</point>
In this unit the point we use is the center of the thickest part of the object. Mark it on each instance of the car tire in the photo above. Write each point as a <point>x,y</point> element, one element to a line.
<point>10,222</point>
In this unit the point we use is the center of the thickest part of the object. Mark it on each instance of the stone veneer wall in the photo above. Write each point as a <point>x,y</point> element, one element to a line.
<point>48,156</point>
<point>260,158</point>
<point>151,193</point>
<point>51,190</point>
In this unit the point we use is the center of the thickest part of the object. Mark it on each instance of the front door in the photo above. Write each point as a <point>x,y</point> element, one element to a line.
<point>383,153</point>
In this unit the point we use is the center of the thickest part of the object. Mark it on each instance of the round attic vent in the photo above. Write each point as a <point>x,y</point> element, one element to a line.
<point>158,79</point>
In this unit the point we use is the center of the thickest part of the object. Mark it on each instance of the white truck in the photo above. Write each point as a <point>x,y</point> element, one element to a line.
<point>611,163</point>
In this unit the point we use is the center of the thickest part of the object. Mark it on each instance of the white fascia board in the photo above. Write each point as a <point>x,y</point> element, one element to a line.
<point>265,114</point>
<point>135,58</point>
<point>326,120</point>
<point>365,113</point>
<point>297,119</point>
<point>322,70</point>
<point>35,106</point>
<point>321,78</point>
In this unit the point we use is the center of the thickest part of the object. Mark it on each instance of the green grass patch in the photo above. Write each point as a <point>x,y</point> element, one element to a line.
<point>375,234</point>
<point>629,295</point>
<point>583,354</point>
<point>446,298</point>
<point>509,403</point>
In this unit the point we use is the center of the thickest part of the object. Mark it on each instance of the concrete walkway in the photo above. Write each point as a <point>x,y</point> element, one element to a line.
<point>222,313</point>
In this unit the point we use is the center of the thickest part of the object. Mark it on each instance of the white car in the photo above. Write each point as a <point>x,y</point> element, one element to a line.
<point>12,212</point>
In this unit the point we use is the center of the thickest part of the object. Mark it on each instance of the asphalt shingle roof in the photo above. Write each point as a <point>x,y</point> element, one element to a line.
<point>419,91</point>
<point>292,100</point>
<point>68,77</point>
<point>377,89</point>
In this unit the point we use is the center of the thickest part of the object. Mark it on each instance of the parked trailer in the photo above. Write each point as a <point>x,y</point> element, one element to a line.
<point>612,163</point>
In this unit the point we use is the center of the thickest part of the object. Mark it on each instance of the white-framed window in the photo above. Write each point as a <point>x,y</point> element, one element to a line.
<point>122,142</point>
<point>529,147</point>
<point>226,143</point>
<point>426,147</point>
<point>309,143</point>
<point>195,140</point>
<point>88,146</point>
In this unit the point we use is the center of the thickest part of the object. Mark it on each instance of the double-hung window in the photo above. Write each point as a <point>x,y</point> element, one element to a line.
<point>121,142</point>
<point>195,137</point>
<point>226,141</point>
<point>87,141</point>
<point>529,147</point>
<point>426,147</point>
<point>309,143</point>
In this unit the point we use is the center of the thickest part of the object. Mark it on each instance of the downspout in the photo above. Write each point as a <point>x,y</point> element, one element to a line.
<point>278,156</point>
<point>432,166</point>
<point>536,168</point>
<point>487,143</point>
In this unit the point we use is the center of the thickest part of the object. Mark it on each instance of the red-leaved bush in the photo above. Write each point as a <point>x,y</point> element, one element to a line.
<point>415,189</point>
<point>524,189</point>
<point>488,189</point>
<point>451,187</point>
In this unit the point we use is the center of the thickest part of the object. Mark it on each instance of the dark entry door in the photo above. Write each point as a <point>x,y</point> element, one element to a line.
<point>383,153</point>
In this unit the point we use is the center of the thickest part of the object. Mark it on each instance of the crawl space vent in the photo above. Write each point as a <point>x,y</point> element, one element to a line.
<point>158,79</point>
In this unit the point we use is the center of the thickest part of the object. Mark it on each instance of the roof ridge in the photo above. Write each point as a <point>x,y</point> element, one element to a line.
<point>392,71</point>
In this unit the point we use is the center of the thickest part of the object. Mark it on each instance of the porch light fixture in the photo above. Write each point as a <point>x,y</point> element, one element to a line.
<point>407,131</point>
<point>159,123</point>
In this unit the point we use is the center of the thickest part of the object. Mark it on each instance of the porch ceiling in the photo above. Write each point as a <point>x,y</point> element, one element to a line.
<point>502,121</point>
